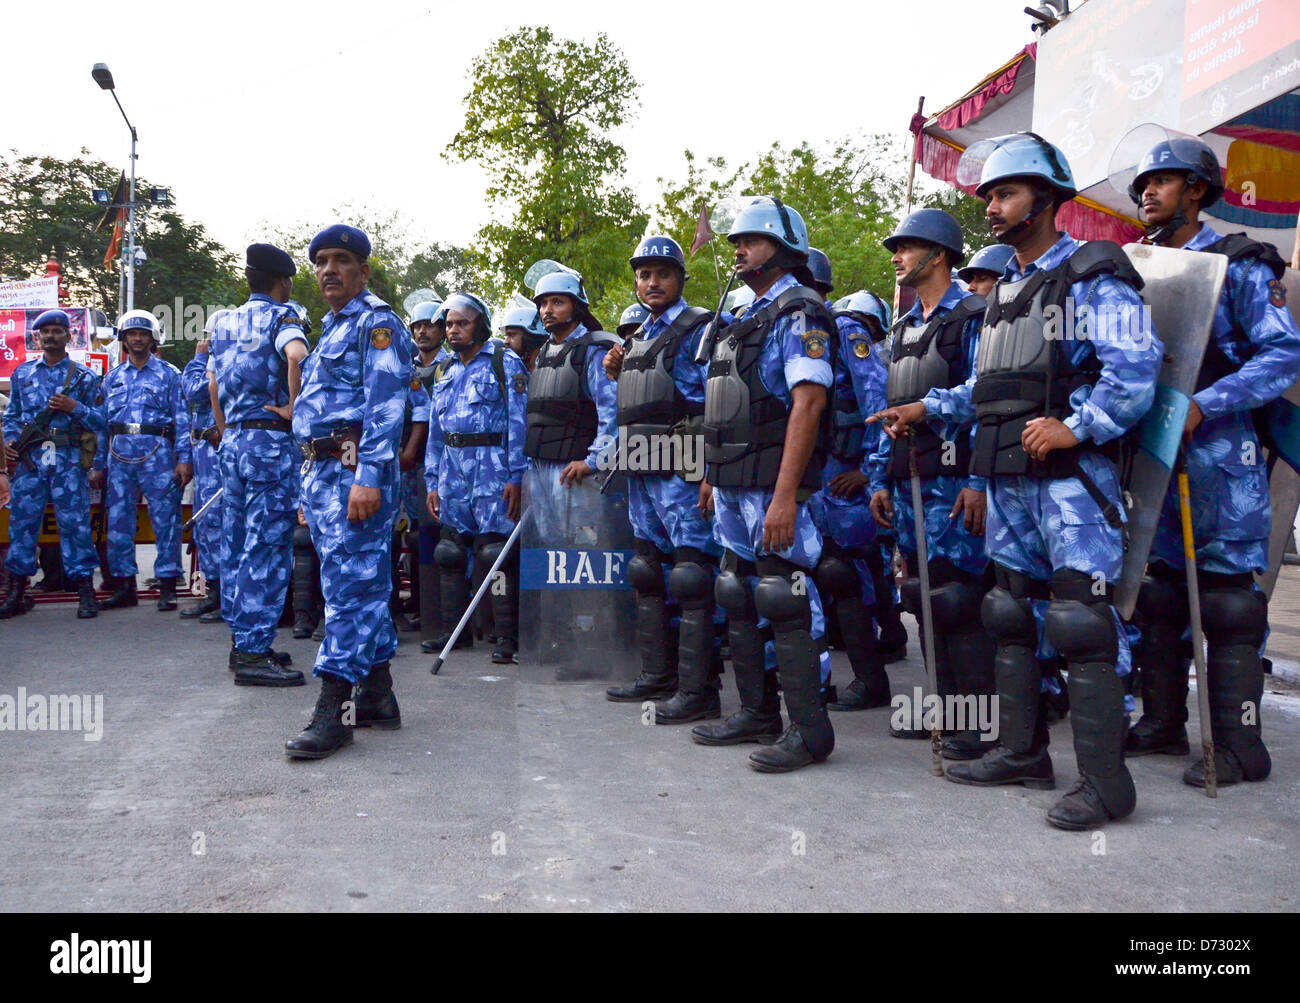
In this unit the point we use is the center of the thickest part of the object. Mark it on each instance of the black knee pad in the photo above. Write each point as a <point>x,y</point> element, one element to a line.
<point>956,607</point>
<point>1161,600</point>
<point>787,610</point>
<point>646,575</point>
<point>837,577</point>
<point>1079,623</point>
<point>734,595</point>
<point>1009,618</point>
<point>691,584</point>
<point>488,548</point>
<point>450,552</point>
<point>909,594</point>
<point>1234,615</point>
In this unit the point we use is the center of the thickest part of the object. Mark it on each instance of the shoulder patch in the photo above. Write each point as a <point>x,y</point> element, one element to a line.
<point>381,337</point>
<point>861,348</point>
<point>814,342</point>
<point>1276,293</point>
<point>520,382</point>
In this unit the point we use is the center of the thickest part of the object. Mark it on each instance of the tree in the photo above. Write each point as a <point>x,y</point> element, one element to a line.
<point>967,210</point>
<point>538,118</point>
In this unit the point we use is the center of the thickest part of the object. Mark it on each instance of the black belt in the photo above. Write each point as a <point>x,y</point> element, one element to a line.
<point>329,445</point>
<point>138,428</point>
<point>461,440</point>
<point>266,424</point>
<point>55,436</point>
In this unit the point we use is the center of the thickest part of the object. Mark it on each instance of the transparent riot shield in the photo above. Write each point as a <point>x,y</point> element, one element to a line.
<point>1283,436</point>
<point>1181,291</point>
<point>576,610</point>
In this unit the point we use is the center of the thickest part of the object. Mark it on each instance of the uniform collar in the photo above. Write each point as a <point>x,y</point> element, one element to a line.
<point>40,361</point>
<point>260,298</point>
<point>786,281</point>
<point>577,332</point>
<point>1203,239</point>
<point>355,305</point>
<point>666,318</point>
<point>951,297</point>
<point>1057,254</point>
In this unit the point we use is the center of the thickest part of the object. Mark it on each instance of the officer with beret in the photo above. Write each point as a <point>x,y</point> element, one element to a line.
<point>52,402</point>
<point>348,421</point>
<point>256,353</point>
<point>147,451</point>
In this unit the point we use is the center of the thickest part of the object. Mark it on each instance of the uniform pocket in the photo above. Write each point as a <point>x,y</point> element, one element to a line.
<point>1241,501</point>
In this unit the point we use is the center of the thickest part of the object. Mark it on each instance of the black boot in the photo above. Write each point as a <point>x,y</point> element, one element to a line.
<point>759,717</point>
<point>166,595</point>
<point>870,686</point>
<point>87,606</point>
<point>213,615</point>
<point>971,655</point>
<point>15,601</point>
<point>376,707</point>
<point>123,596</point>
<point>281,657</point>
<point>505,607</point>
<point>658,680</point>
<point>1162,605</point>
<point>210,603</point>
<point>326,733</point>
<point>263,669</point>
<point>1104,790</point>
<point>1235,620</point>
<point>453,593</point>
<point>697,697</point>
<point>892,643</point>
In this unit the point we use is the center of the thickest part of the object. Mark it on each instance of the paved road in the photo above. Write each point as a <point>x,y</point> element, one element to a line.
<point>498,795</point>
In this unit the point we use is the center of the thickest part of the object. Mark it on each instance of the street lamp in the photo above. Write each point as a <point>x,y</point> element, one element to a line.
<point>104,78</point>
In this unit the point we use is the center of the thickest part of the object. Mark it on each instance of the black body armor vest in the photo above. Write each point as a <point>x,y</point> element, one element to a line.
<point>562,418</point>
<point>649,402</point>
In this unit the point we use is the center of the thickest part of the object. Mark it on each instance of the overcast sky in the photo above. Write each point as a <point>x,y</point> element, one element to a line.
<point>270,111</point>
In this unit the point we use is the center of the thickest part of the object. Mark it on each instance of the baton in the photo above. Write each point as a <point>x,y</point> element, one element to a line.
<point>1198,638</point>
<point>206,505</point>
<point>927,614</point>
<point>706,342</point>
<point>478,596</point>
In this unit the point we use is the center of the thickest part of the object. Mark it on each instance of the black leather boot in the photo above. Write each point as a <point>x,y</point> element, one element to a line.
<point>697,697</point>
<point>658,678</point>
<point>759,717</point>
<point>87,605</point>
<point>1104,790</point>
<point>870,686</point>
<point>971,656</point>
<point>166,595</point>
<point>262,669</point>
<point>281,657</point>
<point>504,593</point>
<point>376,707</point>
<point>210,603</point>
<point>1162,729</point>
<point>15,601</point>
<point>123,596</point>
<point>326,733</point>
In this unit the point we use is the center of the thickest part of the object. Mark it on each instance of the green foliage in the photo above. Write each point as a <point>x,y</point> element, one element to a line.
<point>537,119</point>
<point>967,210</point>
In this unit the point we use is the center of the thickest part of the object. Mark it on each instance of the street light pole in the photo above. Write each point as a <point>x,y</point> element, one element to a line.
<point>104,78</point>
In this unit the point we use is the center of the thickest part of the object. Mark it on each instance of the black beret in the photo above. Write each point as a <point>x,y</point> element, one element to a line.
<point>269,258</point>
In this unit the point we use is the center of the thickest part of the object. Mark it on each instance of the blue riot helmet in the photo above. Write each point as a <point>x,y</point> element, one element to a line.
<point>768,216</point>
<point>931,225</point>
<point>463,302</point>
<point>633,317</point>
<point>1188,156</point>
<point>139,320</point>
<point>993,258</point>
<point>872,311</point>
<point>1019,156</point>
<point>567,282</point>
<point>656,249</point>
<point>527,320</point>
<point>425,311</point>
<point>739,302</point>
<point>819,266</point>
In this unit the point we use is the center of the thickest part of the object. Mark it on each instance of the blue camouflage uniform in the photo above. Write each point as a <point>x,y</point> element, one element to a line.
<point>358,376</point>
<point>1231,517</point>
<point>739,514</point>
<point>54,476</point>
<point>945,537</point>
<point>469,400</point>
<point>418,398</point>
<point>258,462</point>
<point>144,463</point>
<point>207,533</point>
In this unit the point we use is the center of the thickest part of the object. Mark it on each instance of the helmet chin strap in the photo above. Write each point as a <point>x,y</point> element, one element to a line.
<point>910,277</point>
<point>1042,199</point>
<point>1162,233</point>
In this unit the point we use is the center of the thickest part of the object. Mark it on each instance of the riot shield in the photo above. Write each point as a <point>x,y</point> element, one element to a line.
<point>1283,436</point>
<point>576,610</point>
<point>430,585</point>
<point>1181,291</point>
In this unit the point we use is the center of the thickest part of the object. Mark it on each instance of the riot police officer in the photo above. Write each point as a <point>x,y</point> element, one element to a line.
<point>147,451</point>
<point>660,416</point>
<point>1252,358</point>
<point>53,403</point>
<point>985,267</point>
<point>765,442</point>
<point>410,458</point>
<point>633,317</point>
<point>348,420</point>
<point>934,345</point>
<point>524,333</point>
<point>839,509</point>
<point>474,465</point>
<point>1049,413</point>
<point>205,437</point>
<point>256,353</point>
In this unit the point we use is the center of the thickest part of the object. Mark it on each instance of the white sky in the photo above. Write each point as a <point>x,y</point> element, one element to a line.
<point>375,90</point>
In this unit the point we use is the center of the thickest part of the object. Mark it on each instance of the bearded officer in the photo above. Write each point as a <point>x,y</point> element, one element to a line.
<point>661,409</point>
<point>53,401</point>
<point>348,420</point>
<point>256,354</point>
<point>934,345</point>
<point>474,465</point>
<point>765,441</point>
<point>839,509</point>
<point>147,452</point>
<point>205,438</point>
<point>1049,413</point>
<point>1252,358</point>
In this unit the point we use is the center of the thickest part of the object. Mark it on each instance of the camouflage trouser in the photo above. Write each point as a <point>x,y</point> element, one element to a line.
<point>62,483</point>
<point>152,476</point>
